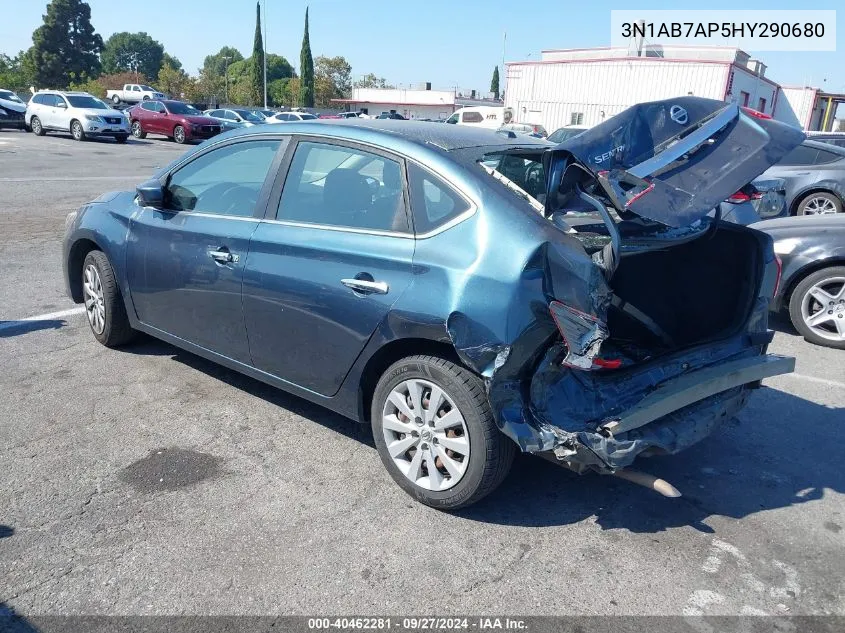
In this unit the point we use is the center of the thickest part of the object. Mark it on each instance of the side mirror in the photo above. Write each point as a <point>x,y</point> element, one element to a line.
<point>61,104</point>
<point>151,194</point>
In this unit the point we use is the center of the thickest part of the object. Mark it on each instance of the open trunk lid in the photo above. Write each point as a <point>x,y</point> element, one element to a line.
<point>670,162</point>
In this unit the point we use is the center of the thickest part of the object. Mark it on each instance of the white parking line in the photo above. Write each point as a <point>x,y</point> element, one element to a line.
<point>78,178</point>
<point>821,381</point>
<point>44,317</point>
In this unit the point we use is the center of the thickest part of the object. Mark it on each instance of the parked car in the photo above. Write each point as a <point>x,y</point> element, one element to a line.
<point>235,118</point>
<point>287,117</point>
<point>81,114</point>
<point>566,132</point>
<point>12,111</point>
<point>812,284</point>
<point>815,178</point>
<point>264,114</point>
<point>134,93</point>
<point>326,115</point>
<point>391,115</point>
<point>173,119</point>
<point>761,199</point>
<point>492,117</point>
<point>831,138</point>
<point>526,128</point>
<point>349,115</point>
<point>321,258</point>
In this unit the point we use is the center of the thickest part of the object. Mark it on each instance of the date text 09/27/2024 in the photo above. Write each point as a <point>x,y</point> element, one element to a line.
<point>416,624</point>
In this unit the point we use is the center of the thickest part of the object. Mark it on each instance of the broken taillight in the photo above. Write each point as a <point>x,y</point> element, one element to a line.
<point>740,197</point>
<point>756,113</point>
<point>583,335</point>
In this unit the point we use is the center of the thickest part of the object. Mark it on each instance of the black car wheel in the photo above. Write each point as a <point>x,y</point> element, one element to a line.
<point>817,307</point>
<point>103,302</point>
<point>436,435</point>
<point>76,131</point>
<point>820,203</point>
<point>137,131</point>
<point>36,127</point>
<point>179,134</point>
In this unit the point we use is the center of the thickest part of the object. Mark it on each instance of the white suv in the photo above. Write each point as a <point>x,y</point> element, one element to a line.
<point>79,113</point>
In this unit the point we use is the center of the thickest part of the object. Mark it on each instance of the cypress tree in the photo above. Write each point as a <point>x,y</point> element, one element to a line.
<point>306,70</point>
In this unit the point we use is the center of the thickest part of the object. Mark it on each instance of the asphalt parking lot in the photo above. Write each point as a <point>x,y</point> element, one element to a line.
<point>149,481</point>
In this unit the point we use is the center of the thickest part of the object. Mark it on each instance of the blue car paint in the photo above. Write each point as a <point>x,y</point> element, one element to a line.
<point>483,287</point>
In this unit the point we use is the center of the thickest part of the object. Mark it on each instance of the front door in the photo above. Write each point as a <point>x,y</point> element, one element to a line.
<point>323,274</point>
<point>185,262</point>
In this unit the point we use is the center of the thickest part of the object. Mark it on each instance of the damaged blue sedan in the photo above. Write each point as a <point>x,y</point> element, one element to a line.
<point>468,293</point>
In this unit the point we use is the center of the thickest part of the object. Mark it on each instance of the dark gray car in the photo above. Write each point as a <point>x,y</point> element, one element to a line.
<point>815,178</point>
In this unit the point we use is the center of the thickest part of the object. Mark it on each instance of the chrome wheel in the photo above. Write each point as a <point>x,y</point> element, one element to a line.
<point>426,435</point>
<point>179,134</point>
<point>819,205</point>
<point>76,130</point>
<point>136,129</point>
<point>95,307</point>
<point>823,308</point>
<point>35,124</point>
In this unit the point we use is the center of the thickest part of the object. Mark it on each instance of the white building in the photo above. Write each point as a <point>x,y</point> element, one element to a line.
<point>411,104</point>
<point>586,86</point>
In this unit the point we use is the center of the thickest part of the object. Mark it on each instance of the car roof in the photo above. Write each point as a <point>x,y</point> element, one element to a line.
<point>446,137</point>
<point>67,93</point>
<point>825,146</point>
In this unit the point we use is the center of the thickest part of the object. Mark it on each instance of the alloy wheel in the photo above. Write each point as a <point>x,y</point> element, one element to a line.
<point>179,135</point>
<point>136,129</point>
<point>819,206</point>
<point>76,130</point>
<point>95,306</point>
<point>823,308</point>
<point>426,435</point>
<point>36,125</point>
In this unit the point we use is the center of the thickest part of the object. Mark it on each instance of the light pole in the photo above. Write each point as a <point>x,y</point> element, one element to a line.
<point>226,74</point>
<point>265,54</point>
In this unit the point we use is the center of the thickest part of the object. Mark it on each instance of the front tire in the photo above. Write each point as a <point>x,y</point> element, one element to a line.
<point>103,303</point>
<point>436,435</point>
<point>137,130</point>
<point>36,127</point>
<point>179,134</point>
<point>77,131</point>
<point>820,203</point>
<point>817,307</point>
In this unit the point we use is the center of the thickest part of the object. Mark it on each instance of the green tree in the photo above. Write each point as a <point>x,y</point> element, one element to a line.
<point>132,52</point>
<point>494,84</point>
<point>65,48</point>
<point>332,80</point>
<point>278,68</point>
<point>170,60</point>
<point>306,70</point>
<point>215,65</point>
<point>174,82</point>
<point>371,81</point>
<point>257,69</point>
<point>13,76</point>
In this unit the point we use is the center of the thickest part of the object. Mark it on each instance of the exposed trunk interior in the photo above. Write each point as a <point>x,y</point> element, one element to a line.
<point>686,294</point>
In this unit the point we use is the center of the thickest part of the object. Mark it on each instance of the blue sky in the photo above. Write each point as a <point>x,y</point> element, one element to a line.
<point>450,43</point>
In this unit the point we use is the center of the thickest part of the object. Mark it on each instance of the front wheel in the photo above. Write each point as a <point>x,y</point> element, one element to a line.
<point>817,307</point>
<point>137,131</point>
<point>36,127</point>
<point>103,302</point>
<point>436,435</point>
<point>76,131</point>
<point>179,134</point>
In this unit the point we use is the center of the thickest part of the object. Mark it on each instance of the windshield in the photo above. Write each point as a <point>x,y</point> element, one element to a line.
<point>306,117</point>
<point>11,96</point>
<point>86,101</point>
<point>148,89</point>
<point>177,107</point>
<point>249,116</point>
<point>563,134</point>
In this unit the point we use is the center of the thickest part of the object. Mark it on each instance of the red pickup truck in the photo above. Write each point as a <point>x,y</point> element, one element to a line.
<point>174,119</point>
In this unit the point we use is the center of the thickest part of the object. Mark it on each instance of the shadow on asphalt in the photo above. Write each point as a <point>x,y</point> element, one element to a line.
<point>6,531</point>
<point>782,451</point>
<point>781,323</point>
<point>16,328</point>
<point>12,622</point>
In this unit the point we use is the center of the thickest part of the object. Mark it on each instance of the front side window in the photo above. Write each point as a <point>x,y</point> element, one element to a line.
<point>334,185</point>
<point>433,202</point>
<point>249,116</point>
<point>225,181</point>
<point>452,119</point>
<point>136,89</point>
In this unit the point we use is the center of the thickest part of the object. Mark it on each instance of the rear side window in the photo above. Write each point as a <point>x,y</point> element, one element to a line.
<point>472,117</point>
<point>152,106</point>
<point>225,181</point>
<point>341,186</point>
<point>801,155</point>
<point>433,202</point>
<point>826,157</point>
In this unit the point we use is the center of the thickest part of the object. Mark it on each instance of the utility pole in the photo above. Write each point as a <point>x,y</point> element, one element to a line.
<point>226,73</point>
<point>265,54</point>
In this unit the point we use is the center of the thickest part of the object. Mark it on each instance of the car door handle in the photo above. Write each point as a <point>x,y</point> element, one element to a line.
<point>366,287</point>
<point>224,257</point>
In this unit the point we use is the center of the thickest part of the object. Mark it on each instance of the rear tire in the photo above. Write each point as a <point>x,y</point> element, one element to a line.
<point>179,134</point>
<point>115,99</point>
<point>36,127</point>
<point>828,284</point>
<point>137,131</point>
<point>488,453</point>
<point>103,302</point>
<point>77,131</point>
<point>820,203</point>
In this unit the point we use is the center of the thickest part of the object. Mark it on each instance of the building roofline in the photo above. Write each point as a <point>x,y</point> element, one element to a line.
<point>391,102</point>
<point>621,59</point>
<point>622,48</point>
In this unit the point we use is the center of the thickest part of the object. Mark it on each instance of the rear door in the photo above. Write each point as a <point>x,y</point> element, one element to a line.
<point>185,262</point>
<point>328,263</point>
